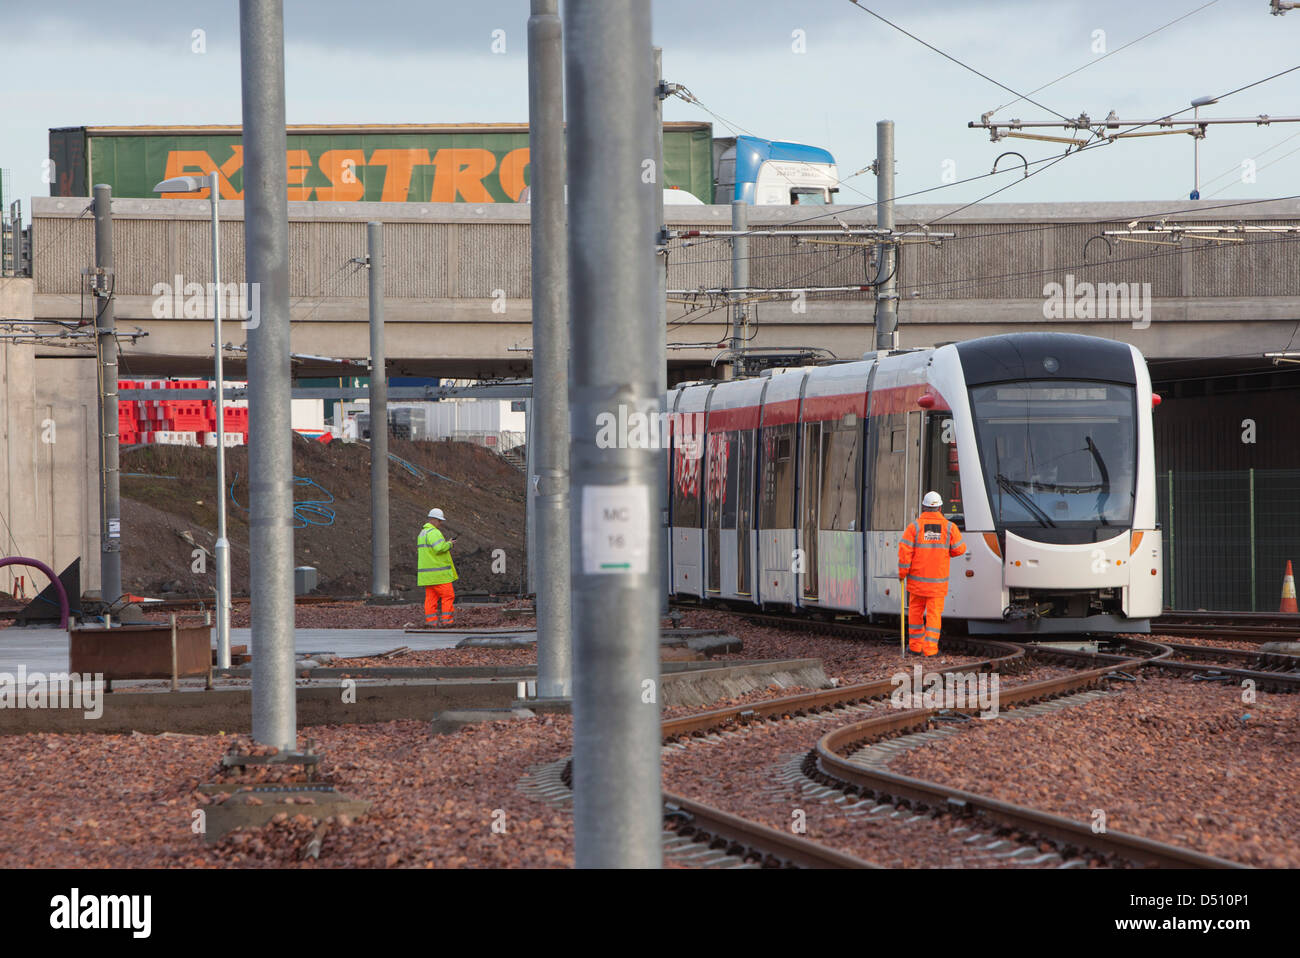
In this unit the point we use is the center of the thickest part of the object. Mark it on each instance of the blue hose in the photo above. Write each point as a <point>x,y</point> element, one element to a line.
<point>306,512</point>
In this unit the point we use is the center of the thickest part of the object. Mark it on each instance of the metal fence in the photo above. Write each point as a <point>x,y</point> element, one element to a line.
<point>500,441</point>
<point>1228,536</point>
<point>15,257</point>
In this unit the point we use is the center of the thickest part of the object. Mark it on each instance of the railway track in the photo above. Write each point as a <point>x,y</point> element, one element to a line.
<point>1270,671</point>
<point>831,763</point>
<point>1240,626</point>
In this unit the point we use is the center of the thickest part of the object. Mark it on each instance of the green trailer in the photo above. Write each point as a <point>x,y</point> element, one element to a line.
<point>462,163</point>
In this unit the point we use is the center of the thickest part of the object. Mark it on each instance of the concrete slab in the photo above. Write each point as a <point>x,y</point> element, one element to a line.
<point>46,649</point>
<point>414,693</point>
<point>453,720</point>
<point>254,807</point>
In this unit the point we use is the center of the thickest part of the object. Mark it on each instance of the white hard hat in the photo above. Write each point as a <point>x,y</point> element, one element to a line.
<point>932,500</point>
<point>436,514</point>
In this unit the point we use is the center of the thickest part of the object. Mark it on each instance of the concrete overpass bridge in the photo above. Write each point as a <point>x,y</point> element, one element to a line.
<point>458,281</point>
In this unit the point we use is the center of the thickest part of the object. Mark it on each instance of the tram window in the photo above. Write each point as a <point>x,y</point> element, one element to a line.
<point>687,463</point>
<point>941,473</point>
<point>840,490</point>
<point>731,474</point>
<point>776,508</point>
<point>889,472</point>
<point>745,481</point>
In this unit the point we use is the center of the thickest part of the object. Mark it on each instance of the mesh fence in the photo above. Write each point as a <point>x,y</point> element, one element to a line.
<point>1227,537</point>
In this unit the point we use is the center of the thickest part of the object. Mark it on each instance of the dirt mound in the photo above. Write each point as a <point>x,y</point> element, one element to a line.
<point>168,494</point>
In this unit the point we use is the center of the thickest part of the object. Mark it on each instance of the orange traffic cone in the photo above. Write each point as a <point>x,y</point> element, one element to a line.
<point>1288,591</point>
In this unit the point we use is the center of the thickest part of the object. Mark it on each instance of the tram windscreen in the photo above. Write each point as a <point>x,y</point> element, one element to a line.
<point>1057,453</point>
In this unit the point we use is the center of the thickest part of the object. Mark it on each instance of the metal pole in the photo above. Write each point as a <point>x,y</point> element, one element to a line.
<point>887,271</point>
<point>110,523</point>
<point>548,410</point>
<point>1196,156</point>
<point>218,373</point>
<point>661,354</point>
<point>618,810</point>
<point>270,456</point>
<point>1170,563</point>
<point>1252,540</point>
<point>379,561</point>
<point>739,280</point>
<point>530,501</point>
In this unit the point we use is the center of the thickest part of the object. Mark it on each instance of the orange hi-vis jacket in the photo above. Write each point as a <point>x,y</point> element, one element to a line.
<point>924,551</point>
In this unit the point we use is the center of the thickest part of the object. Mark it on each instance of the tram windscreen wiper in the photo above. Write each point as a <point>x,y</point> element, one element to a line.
<point>1031,507</point>
<point>1105,480</point>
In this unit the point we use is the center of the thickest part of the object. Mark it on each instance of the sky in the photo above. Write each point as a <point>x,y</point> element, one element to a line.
<point>821,72</point>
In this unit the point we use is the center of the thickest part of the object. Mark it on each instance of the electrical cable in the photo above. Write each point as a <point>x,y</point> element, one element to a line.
<point>964,66</point>
<point>1107,55</point>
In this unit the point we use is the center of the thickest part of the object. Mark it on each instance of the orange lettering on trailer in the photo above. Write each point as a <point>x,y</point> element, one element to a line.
<point>400,163</point>
<point>461,171</point>
<point>511,175</point>
<point>344,187</point>
<point>297,163</point>
<point>189,162</point>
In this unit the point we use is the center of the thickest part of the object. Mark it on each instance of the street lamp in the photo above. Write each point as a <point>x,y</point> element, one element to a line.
<point>1197,133</point>
<point>196,184</point>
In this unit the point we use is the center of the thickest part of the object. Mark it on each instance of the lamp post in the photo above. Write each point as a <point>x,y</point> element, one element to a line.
<point>1199,132</point>
<point>196,184</point>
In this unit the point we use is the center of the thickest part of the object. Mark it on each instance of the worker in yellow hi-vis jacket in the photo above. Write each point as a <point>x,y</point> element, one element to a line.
<point>436,572</point>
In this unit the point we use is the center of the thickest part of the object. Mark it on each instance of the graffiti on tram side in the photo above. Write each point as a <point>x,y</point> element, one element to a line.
<point>839,569</point>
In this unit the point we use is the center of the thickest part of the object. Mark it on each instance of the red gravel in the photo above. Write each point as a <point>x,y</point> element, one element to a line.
<point>738,776</point>
<point>1181,762</point>
<point>1221,642</point>
<point>358,615</point>
<point>115,801</point>
<point>441,658</point>
<point>852,661</point>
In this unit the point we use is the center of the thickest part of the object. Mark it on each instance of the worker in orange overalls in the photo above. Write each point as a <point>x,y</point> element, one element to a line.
<point>923,556</point>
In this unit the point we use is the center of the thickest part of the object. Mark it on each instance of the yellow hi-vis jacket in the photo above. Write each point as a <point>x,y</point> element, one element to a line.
<point>435,566</point>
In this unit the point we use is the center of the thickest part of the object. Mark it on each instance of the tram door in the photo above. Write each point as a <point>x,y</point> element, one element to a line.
<point>715,483</point>
<point>915,479</point>
<point>894,497</point>
<point>745,447</point>
<point>810,502</point>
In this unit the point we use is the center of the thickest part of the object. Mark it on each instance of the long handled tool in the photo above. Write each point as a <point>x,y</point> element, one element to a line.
<point>902,617</point>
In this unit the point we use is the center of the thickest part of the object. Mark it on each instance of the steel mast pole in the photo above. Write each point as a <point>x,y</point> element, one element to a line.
<point>549,408</point>
<point>739,280</point>
<point>218,373</point>
<point>887,271</point>
<point>609,70</point>
<point>110,523</point>
<point>661,353</point>
<point>379,547</point>
<point>270,454</point>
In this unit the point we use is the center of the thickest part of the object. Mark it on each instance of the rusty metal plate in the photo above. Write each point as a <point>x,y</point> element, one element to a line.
<point>140,651</point>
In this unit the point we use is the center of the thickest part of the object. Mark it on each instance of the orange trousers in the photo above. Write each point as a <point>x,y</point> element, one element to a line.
<point>924,618</point>
<point>435,595</point>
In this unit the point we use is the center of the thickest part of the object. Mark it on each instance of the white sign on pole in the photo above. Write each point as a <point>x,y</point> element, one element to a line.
<point>615,530</point>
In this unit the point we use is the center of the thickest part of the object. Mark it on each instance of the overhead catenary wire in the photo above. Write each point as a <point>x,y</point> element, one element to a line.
<point>1106,56</point>
<point>1048,160</point>
<point>1236,167</point>
<point>948,56</point>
